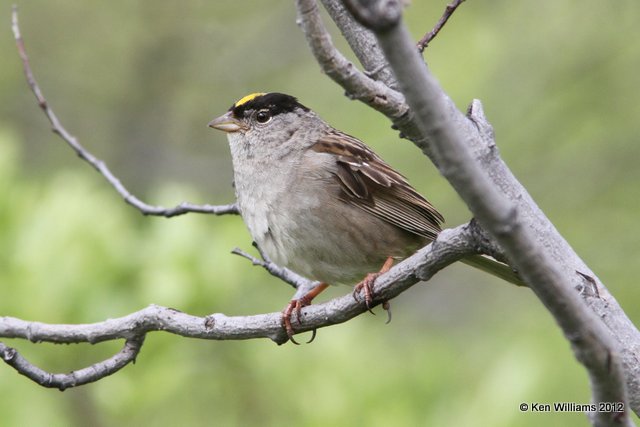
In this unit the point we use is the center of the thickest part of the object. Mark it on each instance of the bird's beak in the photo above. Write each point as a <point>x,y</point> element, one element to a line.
<point>227,123</point>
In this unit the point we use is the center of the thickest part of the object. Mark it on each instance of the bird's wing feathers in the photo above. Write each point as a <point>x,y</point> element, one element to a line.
<point>370,184</point>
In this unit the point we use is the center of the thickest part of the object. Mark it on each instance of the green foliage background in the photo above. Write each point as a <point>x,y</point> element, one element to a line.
<point>137,81</point>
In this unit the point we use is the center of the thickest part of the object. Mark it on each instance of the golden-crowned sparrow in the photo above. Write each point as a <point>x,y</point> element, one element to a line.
<point>319,201</point>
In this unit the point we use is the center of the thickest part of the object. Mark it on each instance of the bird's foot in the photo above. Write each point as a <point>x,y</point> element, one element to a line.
<point>295,306</point>
<point>366,287</point>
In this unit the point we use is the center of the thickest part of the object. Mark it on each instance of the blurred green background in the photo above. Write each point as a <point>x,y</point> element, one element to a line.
<point>137,81</point>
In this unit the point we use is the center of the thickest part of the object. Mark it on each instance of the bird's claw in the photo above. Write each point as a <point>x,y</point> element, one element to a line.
<point>366,286</point>
<point>296,306</point>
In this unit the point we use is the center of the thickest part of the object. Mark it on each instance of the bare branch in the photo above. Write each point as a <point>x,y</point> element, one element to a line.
<point>450,246</point>
<point>448,11</point>
<point>592,343</point>
<point>83,376</point>
<point>96,163</point>
<point>595,296</point>
<point>275,270</point>
<point>373,61</point>
<point>356,84</point>
<point>366,48</point>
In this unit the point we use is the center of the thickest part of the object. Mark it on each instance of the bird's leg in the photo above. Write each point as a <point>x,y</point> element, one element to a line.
<point>367,286</point>
<point>296,305</point>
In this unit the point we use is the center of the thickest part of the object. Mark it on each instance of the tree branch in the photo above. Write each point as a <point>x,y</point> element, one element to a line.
<point>366,48</point>
<point>301,284</point>
<point>83,376</point>
<point>96,163</point>
<point>450,246</point>
<point>374,64</point>
<point>591,342</point>
<point>356,84</point>
<point>428,37</point>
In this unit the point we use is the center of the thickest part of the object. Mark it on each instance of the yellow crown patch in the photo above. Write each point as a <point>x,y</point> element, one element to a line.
<point>248,98</point>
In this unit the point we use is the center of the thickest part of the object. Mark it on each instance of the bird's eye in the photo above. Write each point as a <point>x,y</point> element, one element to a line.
<point>263,116</point>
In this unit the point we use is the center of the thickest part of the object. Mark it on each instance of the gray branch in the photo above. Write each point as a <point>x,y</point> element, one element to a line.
<point>356,84</point>
<point>302,285</point>
<point>83,376</point>
<point>428,37</point>
<point>508,219</point>
<point>450,246</point>
<point>367,50</point>
<point>96,163</point>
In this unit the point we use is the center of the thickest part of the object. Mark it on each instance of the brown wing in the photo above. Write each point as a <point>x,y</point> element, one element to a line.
<point>370,184</point>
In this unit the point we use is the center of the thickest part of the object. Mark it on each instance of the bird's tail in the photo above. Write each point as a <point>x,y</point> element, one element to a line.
<point>495,268</point>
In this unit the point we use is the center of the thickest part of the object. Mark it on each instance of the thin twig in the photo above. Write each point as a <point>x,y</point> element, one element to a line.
<point>275,270</point>
<point>448,11</point>
<point>95,162</point>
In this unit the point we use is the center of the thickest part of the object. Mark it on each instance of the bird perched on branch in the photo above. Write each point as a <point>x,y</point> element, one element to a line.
<point>321,202</point>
